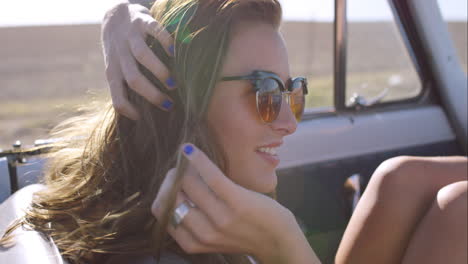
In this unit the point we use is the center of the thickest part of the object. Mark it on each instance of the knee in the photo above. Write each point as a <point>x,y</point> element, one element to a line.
<point>452,199</point>
<point>396,175</point>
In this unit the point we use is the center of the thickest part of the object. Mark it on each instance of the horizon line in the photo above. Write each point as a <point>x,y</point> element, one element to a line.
<point>77,23</point>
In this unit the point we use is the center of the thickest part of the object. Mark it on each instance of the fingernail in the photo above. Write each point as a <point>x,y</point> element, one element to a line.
<point>167,104</point>
<point>172,50</point>
<point>188,149</point>
<point>170,82</point>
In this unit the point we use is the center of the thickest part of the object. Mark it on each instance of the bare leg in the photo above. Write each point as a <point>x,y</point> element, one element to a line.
<point>398,196</point>
<point>441,237</point>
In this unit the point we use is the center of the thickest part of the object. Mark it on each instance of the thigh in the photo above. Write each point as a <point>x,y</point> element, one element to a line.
<point>441,236</point>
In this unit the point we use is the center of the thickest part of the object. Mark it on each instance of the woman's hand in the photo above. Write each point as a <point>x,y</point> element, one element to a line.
<point>124,30</point>
<point>228,218</point>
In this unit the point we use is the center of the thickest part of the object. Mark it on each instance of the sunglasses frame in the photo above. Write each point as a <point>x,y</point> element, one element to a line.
<point>258,75</point>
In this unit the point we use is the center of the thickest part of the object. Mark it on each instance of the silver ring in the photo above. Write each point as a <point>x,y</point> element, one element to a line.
<point>179,213</point>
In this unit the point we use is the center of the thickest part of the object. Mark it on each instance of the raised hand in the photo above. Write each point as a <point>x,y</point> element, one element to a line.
<point>227,218</point>
<point>124,30</point>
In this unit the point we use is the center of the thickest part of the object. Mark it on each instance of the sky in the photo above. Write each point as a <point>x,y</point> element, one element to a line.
<point>49,12</point>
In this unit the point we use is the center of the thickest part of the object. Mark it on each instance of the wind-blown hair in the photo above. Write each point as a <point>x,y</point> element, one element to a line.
<point>101,183</point>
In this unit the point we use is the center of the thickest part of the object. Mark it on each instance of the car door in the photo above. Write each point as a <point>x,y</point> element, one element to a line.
<point>391,92</point>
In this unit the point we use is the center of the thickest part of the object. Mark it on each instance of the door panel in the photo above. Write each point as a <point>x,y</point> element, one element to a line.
<point>348,135</point>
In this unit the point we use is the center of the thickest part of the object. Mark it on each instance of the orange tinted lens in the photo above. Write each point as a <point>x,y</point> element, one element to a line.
<point>297,103</point>
<point>297,100</point>
<point>268,105</point>
<point>269,99</point>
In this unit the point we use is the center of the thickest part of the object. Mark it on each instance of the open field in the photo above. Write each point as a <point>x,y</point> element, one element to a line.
<point>46,72</point>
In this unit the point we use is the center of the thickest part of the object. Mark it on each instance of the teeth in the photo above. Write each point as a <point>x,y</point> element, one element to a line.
<point>271,151</point>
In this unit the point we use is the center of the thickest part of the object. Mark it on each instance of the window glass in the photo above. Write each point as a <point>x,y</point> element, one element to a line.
<point>377,60</point>
<point>454,13</point>
<point>308,31</point>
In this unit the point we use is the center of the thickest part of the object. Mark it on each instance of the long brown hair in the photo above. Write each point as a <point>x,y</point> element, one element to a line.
<point>101,183</point>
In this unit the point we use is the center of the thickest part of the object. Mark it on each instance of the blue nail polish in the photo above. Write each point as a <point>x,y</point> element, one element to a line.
<point>172,50</point>
<point>167,104</point>
<point>188,149</point>
<point>170,82</point>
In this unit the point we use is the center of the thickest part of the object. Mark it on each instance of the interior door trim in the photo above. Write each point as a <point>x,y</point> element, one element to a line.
<point>342,136</point>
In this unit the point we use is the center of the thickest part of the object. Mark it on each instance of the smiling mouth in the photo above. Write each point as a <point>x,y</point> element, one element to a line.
<point>270,151</point>
<point>269,155</point>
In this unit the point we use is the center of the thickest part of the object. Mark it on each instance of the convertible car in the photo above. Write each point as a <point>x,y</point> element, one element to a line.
<point>404,93</point>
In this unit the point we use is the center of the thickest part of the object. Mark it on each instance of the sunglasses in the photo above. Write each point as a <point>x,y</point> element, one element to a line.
<point>270,91</point>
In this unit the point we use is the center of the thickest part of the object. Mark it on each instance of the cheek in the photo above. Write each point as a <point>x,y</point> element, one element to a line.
<point>234,118</point>
<point>230,124</point>
<point>239,130</point>
<point>237,127</point>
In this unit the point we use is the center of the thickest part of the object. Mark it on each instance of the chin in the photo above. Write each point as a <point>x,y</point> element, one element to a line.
<point>264,182</point>
<point>267,184</point>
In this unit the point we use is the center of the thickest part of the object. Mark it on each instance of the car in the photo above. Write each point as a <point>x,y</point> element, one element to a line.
<point>403,93</point>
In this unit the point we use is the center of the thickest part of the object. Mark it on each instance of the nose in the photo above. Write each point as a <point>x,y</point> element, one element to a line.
<point>286,123</point>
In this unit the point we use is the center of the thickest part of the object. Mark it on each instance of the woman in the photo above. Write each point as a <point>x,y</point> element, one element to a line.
<point>231,72</point>
<point>99,191</point>
<point>407,201</point>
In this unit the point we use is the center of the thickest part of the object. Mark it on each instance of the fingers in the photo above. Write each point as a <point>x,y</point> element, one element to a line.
<point>197,224</point>
<point>205,199</point>
<point>188,242</point>
<point>162,196</point>
<point>139,8</point>
<point>215,179</point>
<point>184,235</point>
<point>137,82</point>
<point>119,101</point>
<point>143,54</point>
<point>118,93</point>
<point>191,233</point>
<point>123,34</point>
<point>152,27</point>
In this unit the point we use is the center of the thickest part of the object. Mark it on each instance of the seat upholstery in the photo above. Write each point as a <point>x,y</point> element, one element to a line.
<point>30,246</point>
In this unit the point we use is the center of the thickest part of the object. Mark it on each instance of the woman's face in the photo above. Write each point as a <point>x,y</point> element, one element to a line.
<point>232,113</point>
